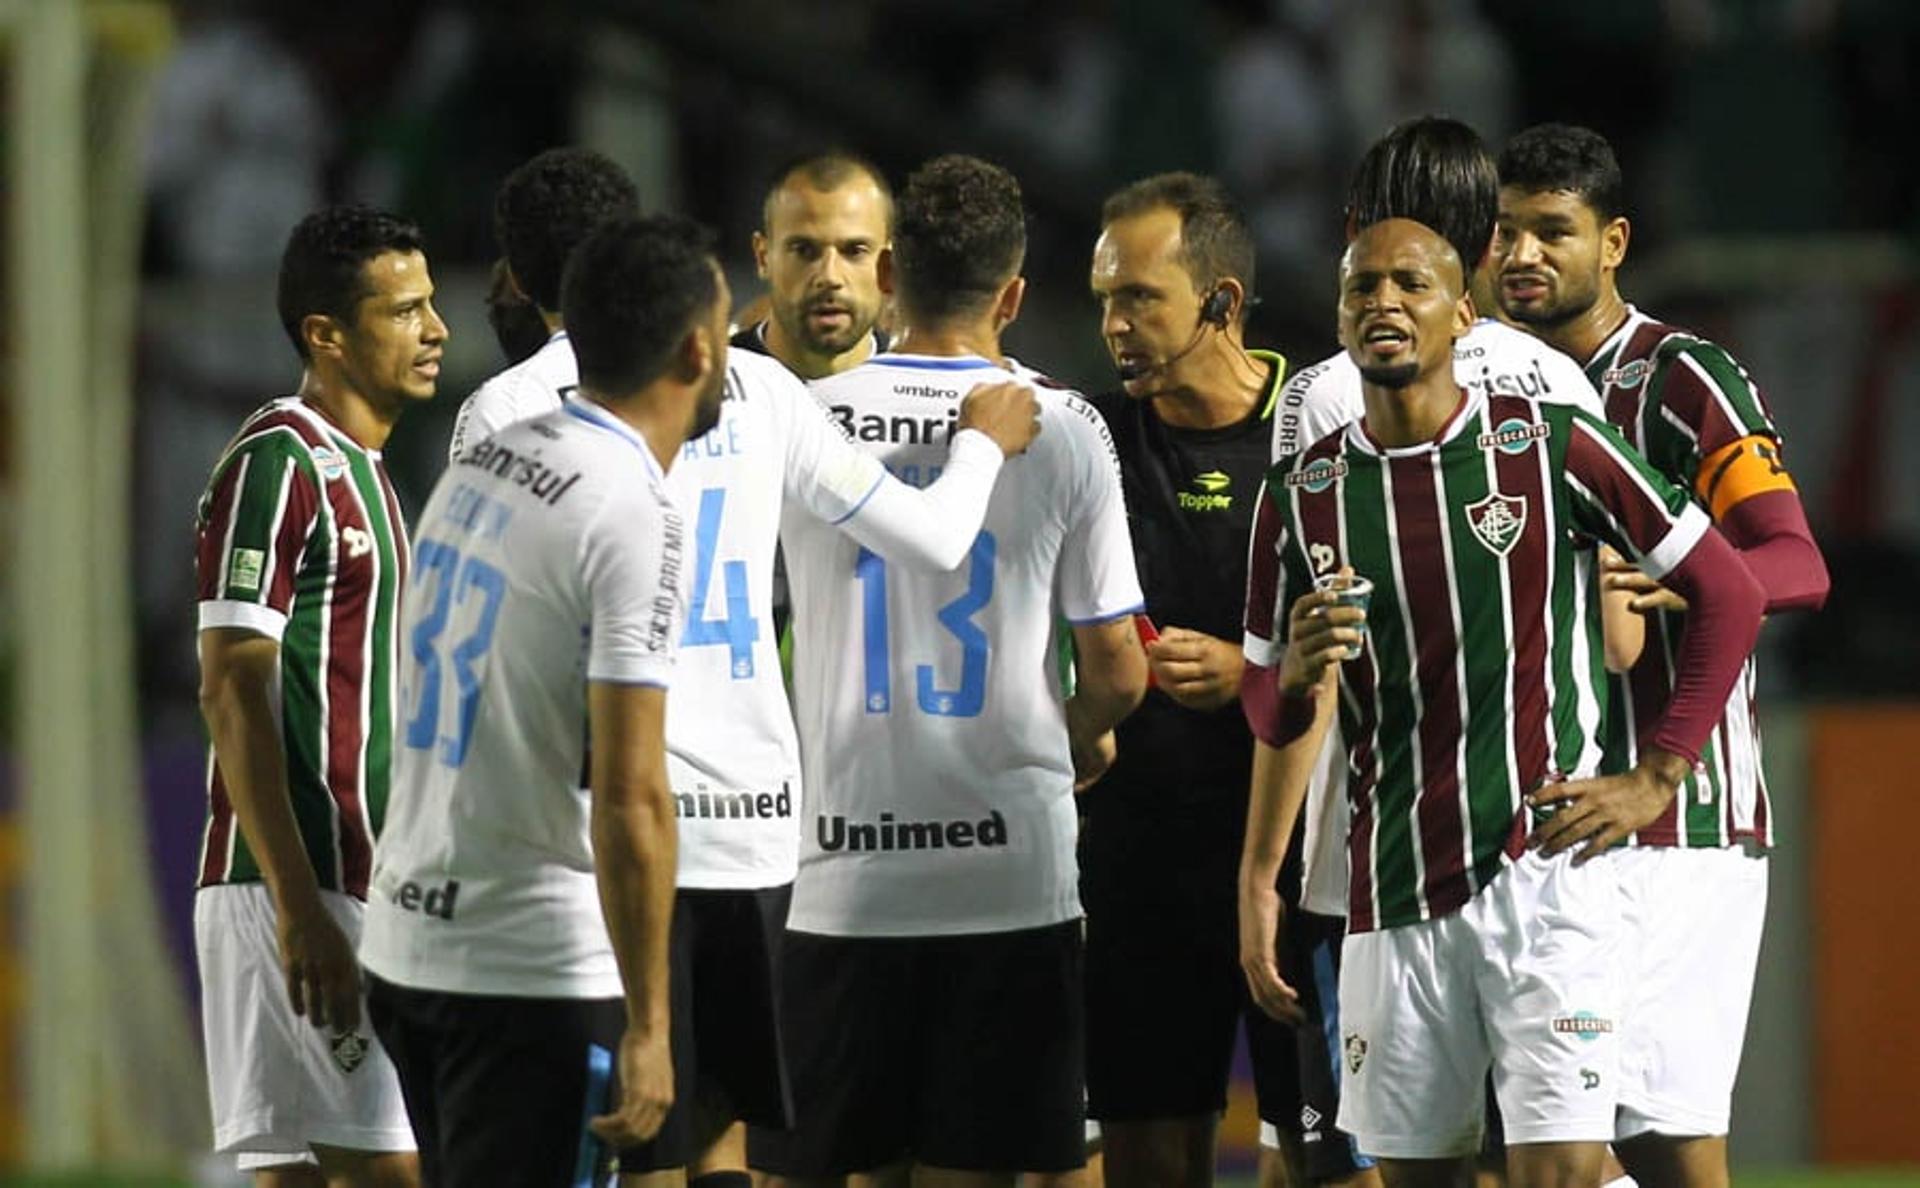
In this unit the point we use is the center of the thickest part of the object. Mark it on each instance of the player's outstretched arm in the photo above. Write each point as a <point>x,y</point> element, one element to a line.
<point>238,671</point>
<point>634,858</point>
<point>1110,678</point>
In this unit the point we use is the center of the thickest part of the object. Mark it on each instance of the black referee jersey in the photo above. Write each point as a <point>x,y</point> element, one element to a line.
<point>1168,818</point>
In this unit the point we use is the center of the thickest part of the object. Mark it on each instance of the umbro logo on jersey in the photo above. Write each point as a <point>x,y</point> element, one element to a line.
<point>1318,475</point>
<point>837,833</point>
<point>349,1050</point>
<point>1513,436</point>
<point>1309,1122</point>
<point>358,542</point>
<point>1630,376</point>
<point>1498,521</point>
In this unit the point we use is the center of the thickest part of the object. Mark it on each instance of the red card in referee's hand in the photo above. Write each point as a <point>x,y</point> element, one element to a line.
<point>1149,635</point>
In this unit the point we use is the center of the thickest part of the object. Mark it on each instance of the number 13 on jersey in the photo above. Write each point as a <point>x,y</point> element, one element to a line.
<point>964,700</point>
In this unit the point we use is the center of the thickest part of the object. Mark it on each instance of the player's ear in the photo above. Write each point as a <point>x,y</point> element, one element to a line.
<point>1613,241</point>
<point>1463,315</point>
<point>513,283</point>
<point>1006,307</point>
<point>883,270</point>
<point>760,253</point>
<point>324,336</point>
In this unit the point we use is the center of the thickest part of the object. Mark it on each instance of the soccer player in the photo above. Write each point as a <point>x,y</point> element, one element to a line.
<point>517,931</point>
<point>1435,171</point>
<point>1471,695</point>
<point>301,558</point>
<point>1700,883</point>
<point>733,759</point>
<point>1173,271</point>
<point>933,951</point>
<point>825,224</point>
<point>541,212</point>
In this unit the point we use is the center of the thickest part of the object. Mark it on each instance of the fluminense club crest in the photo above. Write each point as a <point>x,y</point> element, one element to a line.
<point>1498,521</point>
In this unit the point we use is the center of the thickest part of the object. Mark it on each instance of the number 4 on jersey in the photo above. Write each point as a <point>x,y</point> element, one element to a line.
<point>739,630</point>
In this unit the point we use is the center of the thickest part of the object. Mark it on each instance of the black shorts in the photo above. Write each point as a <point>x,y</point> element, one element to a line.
<point>726,1009</point>
<point>499,1089</point>
<point>1312,967</point>
<point>1165,999</point>
<point>959,1052</point>
<point>534,1069</point>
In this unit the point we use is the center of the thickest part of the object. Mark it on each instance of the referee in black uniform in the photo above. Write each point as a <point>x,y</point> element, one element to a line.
<point>1160,847</point>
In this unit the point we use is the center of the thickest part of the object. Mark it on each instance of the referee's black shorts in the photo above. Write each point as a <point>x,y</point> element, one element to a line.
<point>500,1088</point>
<point>960,1052</point>
<point>1165,999</point>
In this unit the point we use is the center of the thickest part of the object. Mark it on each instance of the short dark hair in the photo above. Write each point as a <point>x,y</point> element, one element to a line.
<point>323,269</point>
<point>1437,172</point>
<point>1565,157</point>
<point>960,235</point>
<point>827,170</point>
<point>632,288</point>
<point>1214,240</point>
<point>548,205</point>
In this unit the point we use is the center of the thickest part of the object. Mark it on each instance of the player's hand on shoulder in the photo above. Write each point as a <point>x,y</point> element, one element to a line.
<point>322,972</point>
<point>1197,670</point>
<point>1620,574</point>
<point>646,1090</point>
<point>1005,411</point>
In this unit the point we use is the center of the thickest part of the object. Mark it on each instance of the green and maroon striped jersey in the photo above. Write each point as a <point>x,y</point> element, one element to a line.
<point>301,539</point>
<point>1482,674</point>
<point>1683,402</point>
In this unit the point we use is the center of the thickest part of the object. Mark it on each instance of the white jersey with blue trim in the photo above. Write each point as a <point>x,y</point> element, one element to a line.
<point>537,384</point>
<point>1491,359</point>
<point>732,753</point>
<point>939,783</point>
<point>549,556</point>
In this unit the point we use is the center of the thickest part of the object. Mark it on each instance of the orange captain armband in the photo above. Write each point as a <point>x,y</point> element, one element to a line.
<point>1740,470</point>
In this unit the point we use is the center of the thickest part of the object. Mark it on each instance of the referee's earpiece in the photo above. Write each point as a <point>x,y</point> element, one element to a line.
<point>1218,305</point>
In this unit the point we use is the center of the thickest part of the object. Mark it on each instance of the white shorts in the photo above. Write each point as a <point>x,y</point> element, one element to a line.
<point>278,1083</point>
<point>1525,979</point>
<point>1696,917</point>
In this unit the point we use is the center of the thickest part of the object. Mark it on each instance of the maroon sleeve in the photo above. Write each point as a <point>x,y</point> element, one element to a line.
<point>1770,530</point>
<point>1275,718</point>
<point>1725,604</point>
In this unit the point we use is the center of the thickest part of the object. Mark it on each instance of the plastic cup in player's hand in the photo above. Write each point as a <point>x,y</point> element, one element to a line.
<point>1348,589</point>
